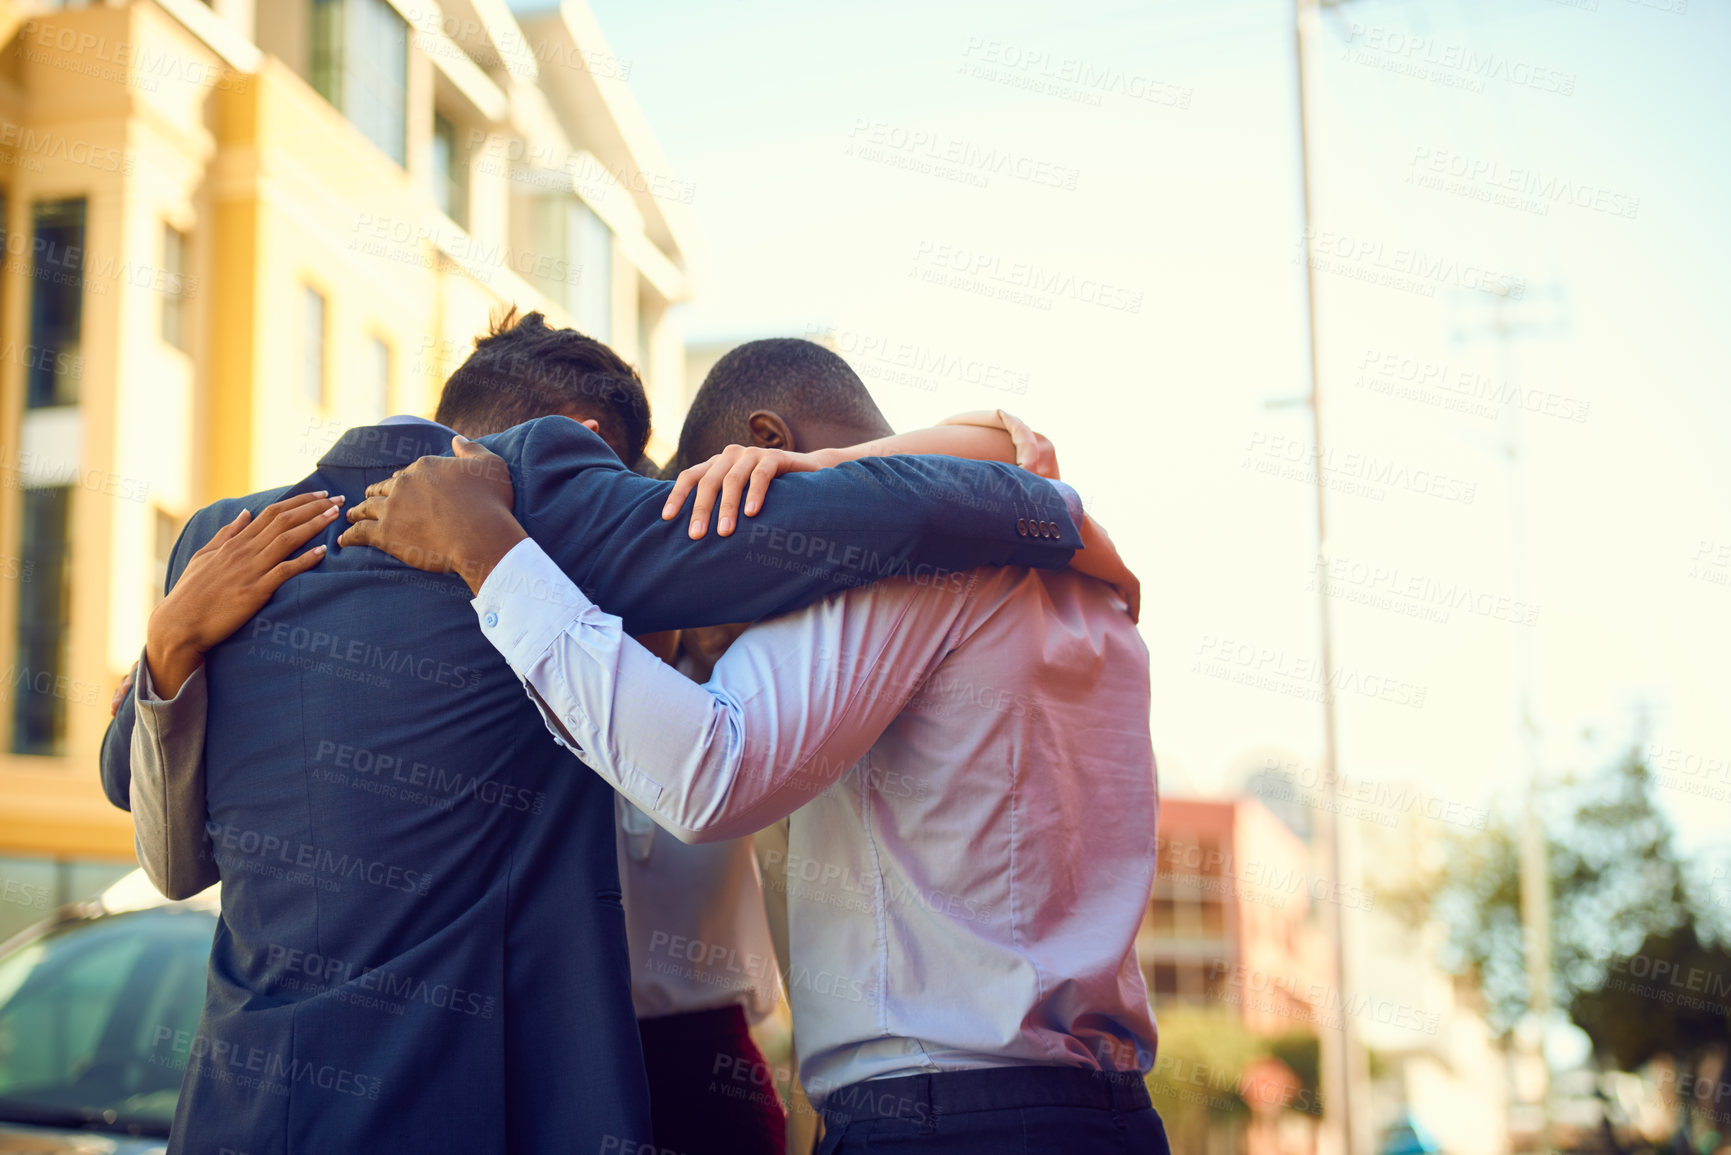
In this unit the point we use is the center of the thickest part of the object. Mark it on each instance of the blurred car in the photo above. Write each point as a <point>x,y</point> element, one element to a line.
<point>99,1004</point>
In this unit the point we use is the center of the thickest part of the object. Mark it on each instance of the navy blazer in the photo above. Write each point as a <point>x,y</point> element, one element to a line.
<point>421,945</point>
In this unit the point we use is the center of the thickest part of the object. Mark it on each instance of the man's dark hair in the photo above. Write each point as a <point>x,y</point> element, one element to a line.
<point>524,369</point>
<point>794,377</point>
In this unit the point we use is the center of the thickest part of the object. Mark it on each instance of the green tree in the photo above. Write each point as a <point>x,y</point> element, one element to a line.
<point>1635,962</point>
<point>1615,879</point>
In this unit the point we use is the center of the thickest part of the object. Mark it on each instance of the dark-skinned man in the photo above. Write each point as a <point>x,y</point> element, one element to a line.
<point>966,763</point>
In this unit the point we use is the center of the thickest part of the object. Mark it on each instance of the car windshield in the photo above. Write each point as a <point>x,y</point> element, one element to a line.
<point>95,1015</point>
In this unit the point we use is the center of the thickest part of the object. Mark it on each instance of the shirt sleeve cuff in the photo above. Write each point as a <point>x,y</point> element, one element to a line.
<point>526,603</point>
<point>146,689</point>
<point>1072,500</point>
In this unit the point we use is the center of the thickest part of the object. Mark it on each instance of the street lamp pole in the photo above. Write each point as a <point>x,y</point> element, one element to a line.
<point>1344,1119</point>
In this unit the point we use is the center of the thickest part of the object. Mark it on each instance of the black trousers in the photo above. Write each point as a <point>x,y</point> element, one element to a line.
<point>709,1087</point>
<point>1000,1111</point>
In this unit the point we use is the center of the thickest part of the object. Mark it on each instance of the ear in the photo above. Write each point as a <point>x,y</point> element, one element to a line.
<point>591,425</point>
<point>770,430</point>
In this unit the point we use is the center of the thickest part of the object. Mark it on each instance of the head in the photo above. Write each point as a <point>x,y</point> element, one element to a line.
<point>783,393</point>
<point>524,369</point>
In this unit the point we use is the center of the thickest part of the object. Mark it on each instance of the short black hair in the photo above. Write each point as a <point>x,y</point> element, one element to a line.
<point>795,377</point>
<point>523,369</point>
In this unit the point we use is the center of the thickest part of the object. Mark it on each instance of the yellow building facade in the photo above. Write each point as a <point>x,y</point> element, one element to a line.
<point>232,231</point>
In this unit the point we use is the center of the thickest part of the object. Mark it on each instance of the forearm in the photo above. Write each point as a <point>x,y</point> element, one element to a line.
<point>974,442</point>
<point>169,655</point>
<point>699,760</point>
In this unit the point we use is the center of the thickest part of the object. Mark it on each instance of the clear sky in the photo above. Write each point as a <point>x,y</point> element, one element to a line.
<point>1087,213</point>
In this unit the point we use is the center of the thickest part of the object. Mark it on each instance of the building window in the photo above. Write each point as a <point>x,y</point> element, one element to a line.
<point>360,63</point>
<point>174,287</point>
<point>56,304</point>
<point>378,398</point>
<point>167,533</point>
<point>580,277</point>
<point>312,346</point>
<point>39,685</point>
<point>450,172</point>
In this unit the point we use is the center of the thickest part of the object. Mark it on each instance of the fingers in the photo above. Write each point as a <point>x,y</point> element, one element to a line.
<point>282,572</point>
<point>121,691</point>
<point>360,532</point>
<point>709,488</point>
<point>732,488</point>
<point>255,527</point>
<point>462,447</point>
<point>1021,435</point>
<point>682,487</point>
<point>367,510</point>
<point>298,527</point>
<point>1132,594</point>
<point>383,488</point>
<point>239,523</point>
<point>767,471</point>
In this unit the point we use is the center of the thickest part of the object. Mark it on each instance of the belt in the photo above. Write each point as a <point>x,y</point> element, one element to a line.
<point>925,1098</point>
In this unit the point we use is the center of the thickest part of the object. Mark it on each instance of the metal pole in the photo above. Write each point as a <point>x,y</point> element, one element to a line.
<point>1338,1060</point>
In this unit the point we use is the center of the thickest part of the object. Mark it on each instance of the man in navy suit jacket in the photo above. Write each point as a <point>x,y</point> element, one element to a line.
<point>421,945</point>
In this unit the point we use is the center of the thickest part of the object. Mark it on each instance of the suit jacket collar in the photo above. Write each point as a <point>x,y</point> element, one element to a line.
<point>395,441</point>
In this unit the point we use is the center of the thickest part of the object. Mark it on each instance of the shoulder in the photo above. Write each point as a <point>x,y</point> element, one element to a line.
<point>548,439</point>
<point>204,524</point>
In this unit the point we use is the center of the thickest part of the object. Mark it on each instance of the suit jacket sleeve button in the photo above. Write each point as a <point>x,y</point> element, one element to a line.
<point>1022,526</point>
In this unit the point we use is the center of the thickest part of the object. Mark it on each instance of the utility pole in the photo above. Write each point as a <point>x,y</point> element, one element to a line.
<point>1345,1106</point>
<point>1534,850</point>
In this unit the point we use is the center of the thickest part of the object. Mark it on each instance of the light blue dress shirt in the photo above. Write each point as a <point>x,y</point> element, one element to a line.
<point>972,789</point>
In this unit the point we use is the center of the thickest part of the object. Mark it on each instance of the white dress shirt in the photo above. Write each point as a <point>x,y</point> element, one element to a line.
<point>972,788</point>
